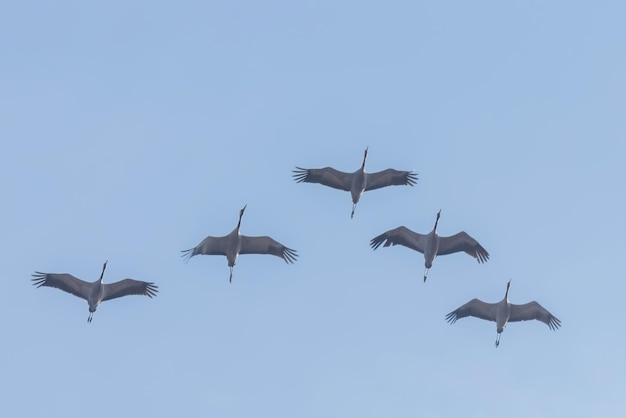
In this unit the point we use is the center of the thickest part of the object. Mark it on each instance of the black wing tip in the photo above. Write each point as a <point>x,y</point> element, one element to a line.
<point>151,290</point>
<point>554,323</point>
<point>289,255</point>
<point>187,254</point>
<point>482,256</point>
<point>452,317</point>
<point>411,179</point>
<point>300,174</point>
<point>39,278</point>
<point>377,241</point>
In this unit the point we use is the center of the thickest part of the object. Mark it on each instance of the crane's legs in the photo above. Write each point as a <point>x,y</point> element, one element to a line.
<point>425,274</point>
<point>230,279</point>
<point>353,209</point>
<point>90,317</point>
<point>498,340</point>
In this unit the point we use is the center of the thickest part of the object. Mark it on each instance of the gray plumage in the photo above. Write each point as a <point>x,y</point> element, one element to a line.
<point>504,312</point>
<point>94,292</point>
<point>356,183</point>
<point>234,244</point>
<point>431,244</point>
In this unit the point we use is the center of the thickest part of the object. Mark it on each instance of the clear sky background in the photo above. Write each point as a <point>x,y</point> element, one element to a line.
<point>132,130</point>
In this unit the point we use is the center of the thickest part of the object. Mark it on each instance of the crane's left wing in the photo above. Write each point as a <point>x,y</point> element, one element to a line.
<point>267,245</point>
<point>533,310</point>
<point>462,242</point>
<point>390,177</point>
<point>128,287</point>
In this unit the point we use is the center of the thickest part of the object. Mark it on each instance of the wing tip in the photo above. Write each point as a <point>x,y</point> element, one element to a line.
<point>289,255</point>
<point>187,254</point>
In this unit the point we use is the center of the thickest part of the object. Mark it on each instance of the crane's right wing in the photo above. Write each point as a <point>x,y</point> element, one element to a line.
<point>476,308</point>
<point>209,246</point>
<point>63,281</point>
<point>402,236</point>
<point>327,176</point>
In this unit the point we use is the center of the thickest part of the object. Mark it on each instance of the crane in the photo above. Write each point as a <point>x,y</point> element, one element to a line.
<point>94,292</point>
<point>356,183</point>
<point>504,312</point>
<point>234,244</point>
<point>431,244</point>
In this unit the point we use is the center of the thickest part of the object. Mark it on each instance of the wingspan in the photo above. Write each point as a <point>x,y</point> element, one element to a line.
<point>128,287</point>
<point>400,236</point>
<point>63,281</point>
<point>390,177</point>
<point>476,308</point>
<point>267,245</point>
<point>533,310</point>
<point>462,242</point>
<point>327,176</point>
<point>209,246</point>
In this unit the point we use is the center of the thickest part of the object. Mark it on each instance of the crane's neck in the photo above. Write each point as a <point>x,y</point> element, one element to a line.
<point>364,158</point>
<point>437,221</point>
<point>240,216</point>
<point>103,268</point>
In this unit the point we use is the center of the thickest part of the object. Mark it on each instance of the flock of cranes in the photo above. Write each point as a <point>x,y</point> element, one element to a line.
<point>234,244</point>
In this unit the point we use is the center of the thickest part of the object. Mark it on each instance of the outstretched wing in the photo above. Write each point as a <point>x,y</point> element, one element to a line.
<point>267,245</point>
<point>63,281</point>
<point>208,246</point>
<point>390,177</point>
<point>327,176</point>
<point>476,308</point>
<point>400,236</point>
<point>533,310</point>
<point>128,287</point>
<point>462,242</point>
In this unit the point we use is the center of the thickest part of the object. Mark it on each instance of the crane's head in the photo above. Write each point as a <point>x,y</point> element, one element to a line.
<point>437,220</point>
<point>364,157</point>
<point>506,295</point>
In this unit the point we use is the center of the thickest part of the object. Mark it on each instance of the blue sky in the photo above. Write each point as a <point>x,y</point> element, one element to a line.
<point>131,131</point>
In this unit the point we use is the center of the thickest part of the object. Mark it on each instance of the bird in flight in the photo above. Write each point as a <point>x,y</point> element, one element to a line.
<point>94,292</point>
<point>431,244</point>
<point>235,244</point>
<point>356,183</point>
<point>504,312</point>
